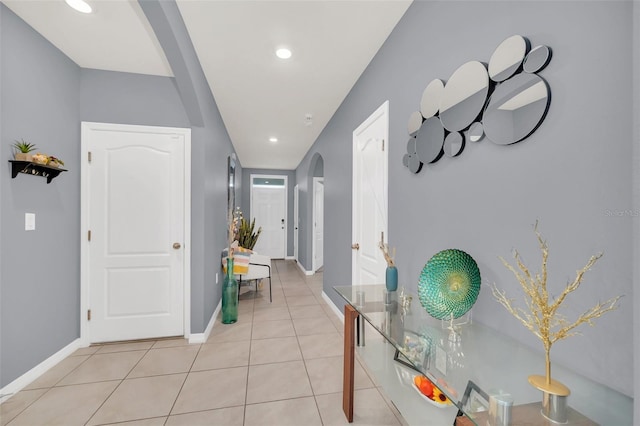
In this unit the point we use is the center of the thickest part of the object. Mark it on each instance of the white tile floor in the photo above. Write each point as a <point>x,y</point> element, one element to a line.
<point>280,364</point>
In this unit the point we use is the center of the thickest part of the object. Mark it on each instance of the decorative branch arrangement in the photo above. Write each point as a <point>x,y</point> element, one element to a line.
<point>541,316</point>
<point>388,253</point>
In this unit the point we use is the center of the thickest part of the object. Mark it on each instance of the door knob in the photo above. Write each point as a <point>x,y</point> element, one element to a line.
<point>176,246</point>
<point>355,246</point>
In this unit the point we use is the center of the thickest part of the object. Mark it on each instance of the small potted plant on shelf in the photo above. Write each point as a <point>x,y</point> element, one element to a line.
<point>22,150</point>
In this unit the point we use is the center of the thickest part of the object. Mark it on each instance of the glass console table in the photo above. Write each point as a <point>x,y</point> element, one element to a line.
<point>469,358</point>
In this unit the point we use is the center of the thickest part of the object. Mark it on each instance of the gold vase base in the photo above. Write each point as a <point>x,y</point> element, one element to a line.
<point>554,399</point>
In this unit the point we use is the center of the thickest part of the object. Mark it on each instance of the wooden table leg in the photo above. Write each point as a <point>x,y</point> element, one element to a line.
<point>350,315</point>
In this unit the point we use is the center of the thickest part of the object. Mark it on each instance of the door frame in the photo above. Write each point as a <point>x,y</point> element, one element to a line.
<point>383,110</point>
<point>86,128</point>
<point>296,222</point>
<point>314,248</point>
<point>286,202</point>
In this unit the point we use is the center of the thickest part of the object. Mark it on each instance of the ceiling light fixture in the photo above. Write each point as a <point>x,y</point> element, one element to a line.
<point>283,53</point>
<point>79,5</point>
<point>273,140</point>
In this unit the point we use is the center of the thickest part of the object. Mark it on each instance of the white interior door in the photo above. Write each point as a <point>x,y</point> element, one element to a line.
<point>134,194</point>
<point>370,202</point>
<point>269,209</point>
<point>318,223</point>
<point>296,220</point>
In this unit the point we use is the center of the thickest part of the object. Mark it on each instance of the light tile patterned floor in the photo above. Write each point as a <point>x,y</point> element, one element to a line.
<point>280,364</point>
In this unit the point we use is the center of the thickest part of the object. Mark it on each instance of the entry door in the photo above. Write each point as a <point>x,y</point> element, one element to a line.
<point>135,220</point>
<point>296,220</point>
<point>318,223</point>
<point>269,207</point>
<point>370,202</point>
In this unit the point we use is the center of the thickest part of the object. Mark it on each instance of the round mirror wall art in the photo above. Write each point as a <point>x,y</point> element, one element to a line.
<point>464,96</point>
<point>453,144</point>
<point>537,59</point>
<point>430,103</point>
<point>449,284</point>
<point>515,109</point>
<point>475,132</point>
<point>415,121</point>
<point>507,58</point>
<point>506,102</point>
<point>429,140</point>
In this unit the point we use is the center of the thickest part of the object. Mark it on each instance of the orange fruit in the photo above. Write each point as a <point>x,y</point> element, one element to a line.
<point>426,387</point>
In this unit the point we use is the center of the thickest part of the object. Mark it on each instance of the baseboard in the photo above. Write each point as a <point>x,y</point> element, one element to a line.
<point>21,382</point>
<point>289,258</point>
<point>202,337</point>
<point>304,271</point>
<point>333,307</point>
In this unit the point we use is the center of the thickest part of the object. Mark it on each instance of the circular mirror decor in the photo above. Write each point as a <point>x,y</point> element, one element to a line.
<point>411,146</point>
<point>453,144</point>
<point>415,165</point>
<point>537,59</point>
<point>475,132</point>
<point>464,96</point>
<point>429,140</point>
<point>405,160</point>
<point>431,97</point>
<point>415,121</point>
<point>507,58</point>
<point>516,108</point>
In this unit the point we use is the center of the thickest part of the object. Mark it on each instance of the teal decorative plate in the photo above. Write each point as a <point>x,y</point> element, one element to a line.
<point>449,284</point>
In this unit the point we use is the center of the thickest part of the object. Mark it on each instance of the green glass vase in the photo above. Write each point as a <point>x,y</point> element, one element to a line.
<point>229,295</point>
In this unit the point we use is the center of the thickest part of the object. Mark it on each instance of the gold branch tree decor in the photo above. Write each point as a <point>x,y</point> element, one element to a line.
<point>541,315</point>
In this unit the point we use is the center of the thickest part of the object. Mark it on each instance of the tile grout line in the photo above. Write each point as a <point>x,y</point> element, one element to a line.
<point>183,383</point>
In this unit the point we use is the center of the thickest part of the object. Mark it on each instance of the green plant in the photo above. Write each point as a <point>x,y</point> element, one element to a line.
<point>246,237</point>
<point>24,147</point>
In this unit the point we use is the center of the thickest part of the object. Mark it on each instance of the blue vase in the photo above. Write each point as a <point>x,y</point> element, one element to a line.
<point>392,278</point>
<point>229,295</point>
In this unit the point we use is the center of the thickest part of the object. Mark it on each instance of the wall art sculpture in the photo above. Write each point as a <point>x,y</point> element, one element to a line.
<point>505,102</point>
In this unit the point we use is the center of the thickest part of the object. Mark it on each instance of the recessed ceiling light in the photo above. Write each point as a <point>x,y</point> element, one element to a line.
<point>283,53</point>
<point>79,5</point>
<point>273,140</point>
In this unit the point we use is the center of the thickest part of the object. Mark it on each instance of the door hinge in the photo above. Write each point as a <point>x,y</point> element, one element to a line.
<point>383,144</point>
<point>89,156</point>
<point>88,314</point>
<point>89,235</point>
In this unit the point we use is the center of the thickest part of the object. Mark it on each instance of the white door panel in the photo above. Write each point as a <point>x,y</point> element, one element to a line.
<point>136,212</point>
<point>370,202</point>
<point>268,208</point>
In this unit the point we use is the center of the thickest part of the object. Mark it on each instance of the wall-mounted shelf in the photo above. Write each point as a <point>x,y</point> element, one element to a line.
<point>35,169</point>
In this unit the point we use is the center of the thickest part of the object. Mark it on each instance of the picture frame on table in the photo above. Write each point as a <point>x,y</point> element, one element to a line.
<point>474,400</point>
<point>415,352</point>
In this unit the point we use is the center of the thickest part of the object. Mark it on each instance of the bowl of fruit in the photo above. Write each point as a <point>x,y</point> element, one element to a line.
<point>427,390</point>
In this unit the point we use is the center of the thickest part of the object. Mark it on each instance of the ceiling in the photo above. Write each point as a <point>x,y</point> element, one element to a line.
<point>259,95</point>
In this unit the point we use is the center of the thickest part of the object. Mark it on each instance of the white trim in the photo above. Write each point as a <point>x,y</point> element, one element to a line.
<point>85,128</point>
<point>304,271</point>
<point>27,378</point>
<point>289,258</point>
<point>333,306</point>
<point>314,241</point>
<point>296,222</point>
<point>203,337</point>
<point>286,203</point>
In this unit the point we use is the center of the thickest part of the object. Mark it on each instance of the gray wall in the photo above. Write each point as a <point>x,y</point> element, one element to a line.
<point>40,275</point>
<point>49,96</point>
<point>571,174</point>
<point>245,190</point>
